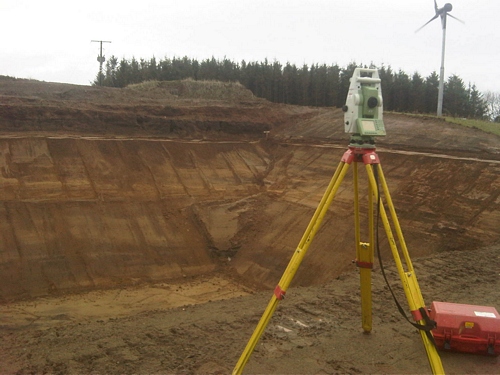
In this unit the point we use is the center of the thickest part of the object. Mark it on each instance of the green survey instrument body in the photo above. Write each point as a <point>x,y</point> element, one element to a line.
<point>363,110</point>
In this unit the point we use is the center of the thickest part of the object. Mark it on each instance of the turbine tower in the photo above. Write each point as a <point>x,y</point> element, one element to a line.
<point>443,13</point>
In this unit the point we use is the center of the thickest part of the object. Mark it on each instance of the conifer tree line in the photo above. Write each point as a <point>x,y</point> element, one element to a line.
<point>314,85</point>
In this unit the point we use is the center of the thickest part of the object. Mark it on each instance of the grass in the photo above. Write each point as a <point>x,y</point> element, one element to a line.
<point>145,86</point>
<point>213,90</point>
<point>189,88</point>
<point>486,126</point>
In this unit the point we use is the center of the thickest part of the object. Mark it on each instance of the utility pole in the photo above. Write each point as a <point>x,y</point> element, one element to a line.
<point>100,58</point>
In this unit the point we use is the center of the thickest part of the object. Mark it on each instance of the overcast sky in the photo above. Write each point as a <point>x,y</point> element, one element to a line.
<point>50,40</point>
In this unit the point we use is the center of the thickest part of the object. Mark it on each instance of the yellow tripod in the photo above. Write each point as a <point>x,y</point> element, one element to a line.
<point>364,252</point>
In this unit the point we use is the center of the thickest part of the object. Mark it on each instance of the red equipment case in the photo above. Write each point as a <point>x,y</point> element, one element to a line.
<point>466,328</point>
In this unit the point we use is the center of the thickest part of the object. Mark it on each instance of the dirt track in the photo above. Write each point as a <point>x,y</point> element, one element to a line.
<point>125,211</point>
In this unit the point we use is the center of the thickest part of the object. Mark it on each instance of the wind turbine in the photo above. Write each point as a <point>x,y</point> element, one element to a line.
<point>443,13</point>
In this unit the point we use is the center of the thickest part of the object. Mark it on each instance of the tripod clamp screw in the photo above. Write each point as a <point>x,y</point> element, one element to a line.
<point>361,264</point>
<point>279,293</point>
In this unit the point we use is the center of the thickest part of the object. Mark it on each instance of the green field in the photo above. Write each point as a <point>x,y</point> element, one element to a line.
<point>487,126</point>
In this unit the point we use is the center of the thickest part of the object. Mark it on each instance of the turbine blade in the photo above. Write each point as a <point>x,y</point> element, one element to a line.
<point>458,19</point>
<point>435,5</point>
<point>432,19</point>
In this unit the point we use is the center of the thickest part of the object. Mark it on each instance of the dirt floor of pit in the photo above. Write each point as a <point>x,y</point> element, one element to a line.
<point>143,231</point>
<point>316,330</point>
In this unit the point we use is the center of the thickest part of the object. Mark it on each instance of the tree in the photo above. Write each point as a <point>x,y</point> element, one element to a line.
<point>401,92</point>
<point>209,69</point>
<point>332,85</point>
<point>386,81</point>
<point>314,90</point>
<point>229,71</point>
<point>164,69</point>
<point>304,81</point>
<point>277,82</point>
<point>266,83</point>
<point>290,84</point>
<point>315,85</point>
<point>492,100</point>
<point>319,85</point>
<point>455,100</point>
<point>417,94</point>
<point>135,72</point>
<point>431,92</point>
<point>122,73</point>
<point>109,78</point>
<point>344,82</point>
<point>151,68</point>
<point>476,107</point>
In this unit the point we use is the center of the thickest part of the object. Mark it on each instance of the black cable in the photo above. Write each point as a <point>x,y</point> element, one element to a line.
<point>429,323</point>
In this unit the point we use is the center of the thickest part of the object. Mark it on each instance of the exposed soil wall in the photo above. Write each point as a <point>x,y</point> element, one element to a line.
<point>97,213</point>
<point>93,213</point>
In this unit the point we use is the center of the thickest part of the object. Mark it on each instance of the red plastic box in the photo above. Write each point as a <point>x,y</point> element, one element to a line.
<point>466,328</point>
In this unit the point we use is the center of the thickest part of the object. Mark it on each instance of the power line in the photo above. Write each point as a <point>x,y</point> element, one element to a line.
<point>100,58</point>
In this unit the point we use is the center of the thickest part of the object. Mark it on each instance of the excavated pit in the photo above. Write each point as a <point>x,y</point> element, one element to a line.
<point>107,190</point>
<point>102,206</point>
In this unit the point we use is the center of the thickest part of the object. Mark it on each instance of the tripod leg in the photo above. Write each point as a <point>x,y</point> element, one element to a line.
<point>397,227</point>
<point>364,255</point>
<point>293,265</point>
<point>408,279</point>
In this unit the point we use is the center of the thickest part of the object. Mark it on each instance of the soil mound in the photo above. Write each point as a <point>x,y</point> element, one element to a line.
<point>191,89</point>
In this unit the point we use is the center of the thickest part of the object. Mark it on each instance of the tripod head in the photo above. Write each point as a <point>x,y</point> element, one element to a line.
<point>363,110</point>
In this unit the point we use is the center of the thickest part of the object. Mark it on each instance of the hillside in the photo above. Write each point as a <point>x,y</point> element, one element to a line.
<point>190,192</point>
